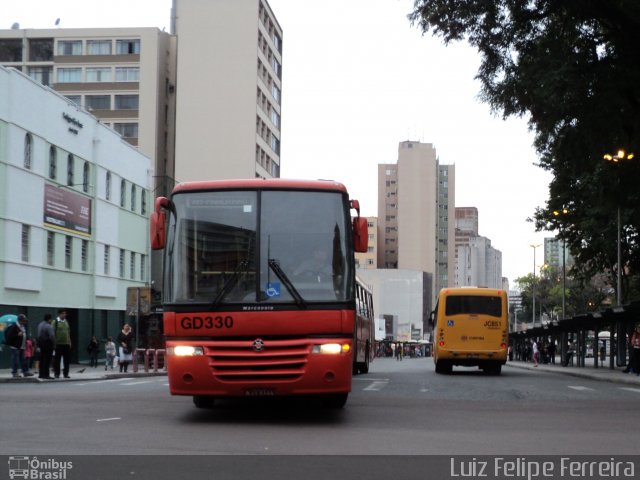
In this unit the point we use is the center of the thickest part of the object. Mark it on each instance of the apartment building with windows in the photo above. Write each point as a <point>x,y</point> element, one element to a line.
<point>415,198</point>
<point>477,262</point>
<point>229,89</point>
<point>553,252</point>
<point>124,76</point>
<point>74,205</point>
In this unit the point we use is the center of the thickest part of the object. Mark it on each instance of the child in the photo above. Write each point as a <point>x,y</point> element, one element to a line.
<point>110,350</point>
<point>29,352</point>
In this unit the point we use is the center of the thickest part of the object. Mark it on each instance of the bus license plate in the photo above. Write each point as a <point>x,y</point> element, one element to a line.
<point>260,392</point>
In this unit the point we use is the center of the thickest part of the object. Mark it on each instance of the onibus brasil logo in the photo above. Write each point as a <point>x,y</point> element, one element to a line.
<point>38,469</point>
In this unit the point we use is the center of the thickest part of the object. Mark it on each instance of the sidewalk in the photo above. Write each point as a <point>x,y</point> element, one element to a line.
<point>604,374</point>
<point>80,372</point>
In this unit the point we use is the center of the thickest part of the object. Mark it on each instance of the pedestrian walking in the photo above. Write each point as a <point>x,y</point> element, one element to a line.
<point>62,332</point>
<point>110,353</point>
<point>125,342</point>
<point>93,348</point>
<point>635,350</point>
<point>46,344</point>
<point>536,353</point>
<point>16,337</point>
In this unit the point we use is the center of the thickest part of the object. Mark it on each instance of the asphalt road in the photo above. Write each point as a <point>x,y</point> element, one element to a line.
<point>399,408</point>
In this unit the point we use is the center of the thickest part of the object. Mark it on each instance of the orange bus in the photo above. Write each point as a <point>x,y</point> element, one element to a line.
<point>471,328</point>
<point>259,288</point>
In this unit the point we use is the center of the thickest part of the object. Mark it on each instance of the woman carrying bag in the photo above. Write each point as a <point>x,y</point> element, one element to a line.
<point>125,344</point>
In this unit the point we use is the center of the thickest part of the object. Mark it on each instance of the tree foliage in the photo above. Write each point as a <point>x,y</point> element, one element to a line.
<point>571,68</point>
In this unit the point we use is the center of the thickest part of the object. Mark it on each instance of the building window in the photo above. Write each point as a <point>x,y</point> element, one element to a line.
<point>97,102</point>
<point>121,269</point>
<point>143,268</point>
<point>102,74</point>
<point>11,50</point>
<point>127,47</point>
<point>69,47</point>
<point>133,198</point>
<point>51,248</point>
<point>132,266</point>
<point>85,177</point>
<point>41,74</point>
<point>107,259</point>
<point>26,231</point>
<point>98,47</point>
<point>85,255</point>
<point>28,149</point>
<point>53,162</point>
<point>68,252</point>
<point>123,193</point>
<point>77,99</point>
<point>127,130</point>
<point>69,75</point>
<point>126,102</point>
<point>70,167</point>
<point>143,202</point>
<point>107,188</point>
<point>127,74</point>
<point>41,49</point>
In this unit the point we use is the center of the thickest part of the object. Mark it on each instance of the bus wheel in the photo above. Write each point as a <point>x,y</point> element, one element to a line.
<point>364,367</point>
<point>443,367</point>
<point>204,401</point>
<point>335,400</point>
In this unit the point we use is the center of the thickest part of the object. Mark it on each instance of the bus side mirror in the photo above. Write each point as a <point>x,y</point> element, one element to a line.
<point>158,224</point>
<point>360,234</point>
<point>432,318</point>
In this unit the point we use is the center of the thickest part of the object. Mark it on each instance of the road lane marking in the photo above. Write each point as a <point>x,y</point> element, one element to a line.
<point>636,390</point>
<point>424,390</point>
<point>108,419</point>
<point>376,385</point>
<point>579,387</point>
<point>136,383</point>
<point>370,379</point>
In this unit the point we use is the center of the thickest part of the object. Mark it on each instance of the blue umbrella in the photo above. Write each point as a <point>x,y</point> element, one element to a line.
<point>5,321</point>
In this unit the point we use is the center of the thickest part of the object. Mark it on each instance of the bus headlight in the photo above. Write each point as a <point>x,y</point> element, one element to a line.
<point>331,348</point>
<point>187,351</point>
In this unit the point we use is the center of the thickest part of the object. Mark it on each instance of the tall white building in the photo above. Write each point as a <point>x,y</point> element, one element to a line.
<point>74,204</point>
<point>229,89</point>
<point>415,206</point>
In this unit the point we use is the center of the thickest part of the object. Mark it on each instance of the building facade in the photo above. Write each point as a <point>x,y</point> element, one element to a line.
<point>553,253</point>
<point>229,88</point>
<point>74,205</point>
<point>415,199</point>
<point>477,262</point>
<point>124,76</point>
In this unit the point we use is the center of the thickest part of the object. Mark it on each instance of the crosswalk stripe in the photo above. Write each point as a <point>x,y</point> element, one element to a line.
<point>579,387</point>
<point>375,386</point>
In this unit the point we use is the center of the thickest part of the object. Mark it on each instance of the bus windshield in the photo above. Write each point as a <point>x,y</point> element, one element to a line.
<point>473,305</point>
<point>268,247</point>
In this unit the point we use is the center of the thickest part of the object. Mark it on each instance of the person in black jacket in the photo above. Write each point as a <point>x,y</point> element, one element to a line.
<point>125,342</point>
<point>93,348</point>
<point>16,337</point>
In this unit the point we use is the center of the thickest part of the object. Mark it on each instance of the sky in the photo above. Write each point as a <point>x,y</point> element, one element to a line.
<point>358,79</point>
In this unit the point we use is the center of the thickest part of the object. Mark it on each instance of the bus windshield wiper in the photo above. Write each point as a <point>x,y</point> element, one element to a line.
<point>231,282</point>
<point>275,266</point>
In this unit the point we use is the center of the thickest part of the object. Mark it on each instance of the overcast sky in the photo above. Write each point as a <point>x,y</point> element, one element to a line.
<point>357,80</point>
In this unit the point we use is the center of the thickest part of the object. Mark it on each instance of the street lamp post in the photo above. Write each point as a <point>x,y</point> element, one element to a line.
<point>620,156</point>
<point>533,286</point>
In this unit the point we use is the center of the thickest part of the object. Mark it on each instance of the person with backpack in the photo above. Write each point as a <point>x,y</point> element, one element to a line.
<point>16,337</point>
<point>62,333</point>
<point>46,344</point>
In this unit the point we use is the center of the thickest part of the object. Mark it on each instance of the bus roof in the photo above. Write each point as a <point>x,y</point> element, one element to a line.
<point>260,184</point>
<point>472,291</point>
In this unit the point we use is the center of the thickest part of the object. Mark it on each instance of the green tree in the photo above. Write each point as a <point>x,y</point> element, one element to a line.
<point>571,68</point>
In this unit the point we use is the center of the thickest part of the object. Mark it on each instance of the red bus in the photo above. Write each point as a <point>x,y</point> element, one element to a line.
<point>364,336</point>
<point>259,288</point>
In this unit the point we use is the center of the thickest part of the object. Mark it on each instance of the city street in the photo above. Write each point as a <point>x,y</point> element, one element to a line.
<point>399,408</point>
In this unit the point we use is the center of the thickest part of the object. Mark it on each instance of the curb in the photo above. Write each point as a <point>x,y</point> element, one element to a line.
<point>576,373</point>
<point>76,378</point>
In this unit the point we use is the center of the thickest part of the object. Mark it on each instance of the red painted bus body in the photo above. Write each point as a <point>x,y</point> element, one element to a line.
<point>259,289</point>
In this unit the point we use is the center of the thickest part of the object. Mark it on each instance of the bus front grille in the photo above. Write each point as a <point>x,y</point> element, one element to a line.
<point>257,360</point>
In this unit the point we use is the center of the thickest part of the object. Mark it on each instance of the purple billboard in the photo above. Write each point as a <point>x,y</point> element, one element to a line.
<point>67,210</point>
